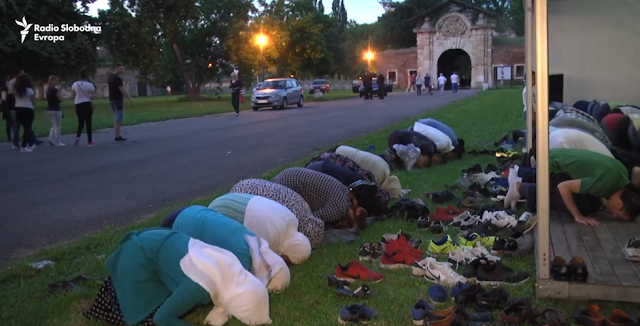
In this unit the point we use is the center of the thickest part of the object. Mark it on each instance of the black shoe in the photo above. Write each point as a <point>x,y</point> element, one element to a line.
<point>496,299</point>
<point>120,138</point>
<point>441,197</point>
<point>490,168</point>
<point>496,274</point>
<point>332,281</point>
<point>469,294</point>
<point>477,168</point>
<point>470,270</point>
<point>485,316</point>
<point>39,142</point>
<point>424,222</point>
<point>579,272</point>
<point>559,270</point>
<point>437,227</point>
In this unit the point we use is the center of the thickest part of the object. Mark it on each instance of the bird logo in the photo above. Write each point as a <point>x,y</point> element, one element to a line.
<point>26,27</point>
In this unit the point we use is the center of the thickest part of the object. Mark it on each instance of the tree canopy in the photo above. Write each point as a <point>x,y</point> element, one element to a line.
<point>39,59</point>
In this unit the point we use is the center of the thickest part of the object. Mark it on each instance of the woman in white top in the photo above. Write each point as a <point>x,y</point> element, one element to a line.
<point>83,91</point>
<point>25,99</point>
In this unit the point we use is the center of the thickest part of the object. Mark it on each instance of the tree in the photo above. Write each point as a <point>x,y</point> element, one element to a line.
<point>194,33</point>
<point>39,59</point>
<point>320,7</point>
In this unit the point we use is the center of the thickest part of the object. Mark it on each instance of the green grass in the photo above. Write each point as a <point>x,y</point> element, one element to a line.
<point>150,109</point>
<point>24,299</point>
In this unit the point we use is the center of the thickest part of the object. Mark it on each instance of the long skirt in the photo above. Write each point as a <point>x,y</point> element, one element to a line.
<point>107,308</point>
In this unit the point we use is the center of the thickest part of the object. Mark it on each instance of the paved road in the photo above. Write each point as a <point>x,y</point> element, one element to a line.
<point>57,194</point>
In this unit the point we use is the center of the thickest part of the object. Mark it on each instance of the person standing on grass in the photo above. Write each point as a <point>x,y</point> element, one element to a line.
<point>25,97</point>
<point>117,92</point>
<point>83,91</point>
<point>54,111</point>
<point>441,81</point>
<point>11,106</point>
<point>419,85</point>
<point>236,88</point>
<point>454,82</point>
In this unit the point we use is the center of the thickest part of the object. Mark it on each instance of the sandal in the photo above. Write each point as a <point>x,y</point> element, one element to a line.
<point>361,292</point>
<point>336,283</point>
<point>551,317</point>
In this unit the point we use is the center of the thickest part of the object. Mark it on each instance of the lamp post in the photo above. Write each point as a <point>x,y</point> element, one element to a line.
<point>261,40</point>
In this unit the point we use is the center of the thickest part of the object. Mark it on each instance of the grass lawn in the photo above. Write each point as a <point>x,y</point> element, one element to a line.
<point>24,299</point>
<point>149,109</point>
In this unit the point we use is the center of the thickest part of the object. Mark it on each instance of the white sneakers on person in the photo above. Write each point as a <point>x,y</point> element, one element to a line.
<point>14,147</point>
<point>26,150</point>
<point>442,273</point>
<point>60,144</point>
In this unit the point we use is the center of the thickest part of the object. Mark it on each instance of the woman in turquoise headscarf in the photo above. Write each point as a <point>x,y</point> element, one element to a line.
<point>216,229</point>
<point>158,275</point>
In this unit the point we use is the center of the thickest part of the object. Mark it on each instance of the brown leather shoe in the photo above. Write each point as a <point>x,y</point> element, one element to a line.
<point>621,318</point>
<point>589,316</point>
<point>518,313</point>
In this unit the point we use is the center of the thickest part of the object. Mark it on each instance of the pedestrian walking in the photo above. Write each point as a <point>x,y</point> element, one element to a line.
<point>83,91</point>
<point>427,84</point>
<point>419,84</point>
<point>117,93</point>
<point>25,98</point>
<point>54,111</point>
<point>442,80</point>
<point>236,88</point>
<point>454,82</point>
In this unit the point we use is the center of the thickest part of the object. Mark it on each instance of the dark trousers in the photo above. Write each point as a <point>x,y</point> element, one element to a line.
<point>381,91</point>
<point>84,111</point>
<point>587,204</point>
<point>169,219</point>
<point>368,91</point>
<point>8,119</point>
<point>235,101</point>
<point>25,118</point>
<point>419,89</point>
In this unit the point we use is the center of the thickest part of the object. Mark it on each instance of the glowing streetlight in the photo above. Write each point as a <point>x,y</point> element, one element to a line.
<point>261,40</point>
<point>369,56</point>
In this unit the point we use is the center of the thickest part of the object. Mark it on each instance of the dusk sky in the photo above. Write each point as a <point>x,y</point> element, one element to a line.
<point>362,11</point>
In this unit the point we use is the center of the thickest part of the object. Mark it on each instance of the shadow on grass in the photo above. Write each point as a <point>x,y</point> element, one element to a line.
<point>24,299</point>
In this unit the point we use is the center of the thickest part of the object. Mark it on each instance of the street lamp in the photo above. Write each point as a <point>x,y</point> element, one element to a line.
<point>369,56</point>
<point>261,40</point>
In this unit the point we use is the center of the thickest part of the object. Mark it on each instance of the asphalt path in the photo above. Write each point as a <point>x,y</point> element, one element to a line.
<point>57,194</point>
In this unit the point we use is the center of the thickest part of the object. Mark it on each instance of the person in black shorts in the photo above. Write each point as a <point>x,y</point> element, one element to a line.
<point>117,92</point>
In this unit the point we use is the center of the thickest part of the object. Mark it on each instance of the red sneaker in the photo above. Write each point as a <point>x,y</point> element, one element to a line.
<point>355,271</point>
<point>505,173</point>
<point>442,215</point>
<point>398,259</point>
<point>399,245</point>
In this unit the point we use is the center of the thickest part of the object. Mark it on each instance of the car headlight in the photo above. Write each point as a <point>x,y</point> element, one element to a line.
<point>275,96</point>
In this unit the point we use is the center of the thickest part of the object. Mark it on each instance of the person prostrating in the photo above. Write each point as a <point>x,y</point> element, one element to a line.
<point>54,112</point>
<point>117,92</point>
<point>82,92</point>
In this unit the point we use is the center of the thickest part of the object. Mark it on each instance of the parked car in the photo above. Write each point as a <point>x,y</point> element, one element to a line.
<point>257,87</point>
<point>277,93</point>
<point>320,84</point>
<point>388,88</point>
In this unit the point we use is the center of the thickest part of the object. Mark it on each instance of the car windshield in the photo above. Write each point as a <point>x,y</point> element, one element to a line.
<point>318,82</point>
<point>259,86</point>
<point>275,84</point>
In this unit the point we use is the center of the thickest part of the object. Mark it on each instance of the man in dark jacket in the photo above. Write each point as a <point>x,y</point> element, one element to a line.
<point>367,82</point>
<point>427,83</point>
<point>380,82</point>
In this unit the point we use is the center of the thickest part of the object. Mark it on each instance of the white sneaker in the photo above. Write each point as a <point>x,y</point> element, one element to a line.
<point>525,216</point>
<point>481,251</point>
<point>461,219</point>
<point>14,147</point>
<point>460,256</point>
<point>60,144</point>
<point>442,273</point>
<point>632,250</point>
<point>487,216</point>
<point>419,268</point>
<point>504,220</point>
<point>26,150</point>
<point>483,178</point>
<point>469,223</point>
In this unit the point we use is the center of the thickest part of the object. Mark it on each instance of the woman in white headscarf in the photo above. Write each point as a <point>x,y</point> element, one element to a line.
<point>269,220</point>
<point>158,275</point>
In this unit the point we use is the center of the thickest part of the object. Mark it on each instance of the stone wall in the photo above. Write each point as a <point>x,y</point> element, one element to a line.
<point>399,61</point>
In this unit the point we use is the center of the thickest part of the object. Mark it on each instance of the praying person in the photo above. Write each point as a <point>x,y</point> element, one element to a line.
<point>577,139</point>
<point>580,182</point>
<point>218,230</point>
<point>158,275</point>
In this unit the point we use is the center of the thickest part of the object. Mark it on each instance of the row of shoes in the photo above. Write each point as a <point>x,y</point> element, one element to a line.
<point>590,316</point>
<point>480,270</point>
